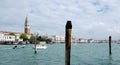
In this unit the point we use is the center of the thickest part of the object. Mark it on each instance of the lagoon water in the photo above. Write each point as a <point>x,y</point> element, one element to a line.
<point>81,54</point>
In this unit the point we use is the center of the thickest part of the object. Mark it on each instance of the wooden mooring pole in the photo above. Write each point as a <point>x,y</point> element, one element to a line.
<point>68,42</point>
<point>110,52</point>
<point>36,43</point>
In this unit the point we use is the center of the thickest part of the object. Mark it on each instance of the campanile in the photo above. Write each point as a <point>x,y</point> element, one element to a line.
<point>27,26</point>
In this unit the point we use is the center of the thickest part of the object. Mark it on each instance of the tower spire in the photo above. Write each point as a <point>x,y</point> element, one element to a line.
<point>27,26</point>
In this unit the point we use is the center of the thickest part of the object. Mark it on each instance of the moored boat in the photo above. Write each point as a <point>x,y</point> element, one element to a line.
<point>41,45</point>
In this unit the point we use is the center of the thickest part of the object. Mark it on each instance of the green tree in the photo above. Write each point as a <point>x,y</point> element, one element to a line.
<point>32,38</point>
<point>43,39</point>
<point>24,37</point>
<point>48,40</point>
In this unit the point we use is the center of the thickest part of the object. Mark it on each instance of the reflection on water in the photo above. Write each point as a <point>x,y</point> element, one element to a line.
<point>110,60</point>
<point>81,54</point>
<point>35,57</point>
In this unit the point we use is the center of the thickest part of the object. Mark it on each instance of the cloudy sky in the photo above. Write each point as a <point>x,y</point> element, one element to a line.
<point>95,19</point>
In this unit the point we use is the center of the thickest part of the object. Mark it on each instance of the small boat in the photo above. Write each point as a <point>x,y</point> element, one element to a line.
<point>19,46</point>
<point>23,46</point>
<point>41,45</point>
<point>15,47</point>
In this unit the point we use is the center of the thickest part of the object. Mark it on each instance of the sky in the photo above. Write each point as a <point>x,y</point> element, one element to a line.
<point>96,19</point>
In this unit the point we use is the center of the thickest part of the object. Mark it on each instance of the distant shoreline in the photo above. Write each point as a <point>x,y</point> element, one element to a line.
<point>64,43</point>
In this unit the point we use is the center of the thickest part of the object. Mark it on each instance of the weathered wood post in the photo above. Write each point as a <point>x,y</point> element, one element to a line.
<point>68,42</point>
<point>36,43</point>
<point>110,45</point>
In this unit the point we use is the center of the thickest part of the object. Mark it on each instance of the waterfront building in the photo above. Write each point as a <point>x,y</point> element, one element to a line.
<point>6,37</point>
<point>83,40</point>
<point>17,37</point>
<point>91,40</point>
<point>57,38</point>
<point>74,40</point>
<point>1,36</point>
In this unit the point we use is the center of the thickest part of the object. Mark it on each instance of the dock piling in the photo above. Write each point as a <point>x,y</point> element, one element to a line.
<point>68,42</point>
<point>110,52</point>
<point>36,43</point>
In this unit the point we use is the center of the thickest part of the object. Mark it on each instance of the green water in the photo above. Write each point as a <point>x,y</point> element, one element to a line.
<point>81,54</point>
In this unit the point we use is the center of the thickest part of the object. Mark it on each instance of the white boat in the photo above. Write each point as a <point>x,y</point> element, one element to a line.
<point>41,45</point>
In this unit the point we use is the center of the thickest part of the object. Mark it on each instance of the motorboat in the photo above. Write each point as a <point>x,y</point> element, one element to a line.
<point>41,45</point>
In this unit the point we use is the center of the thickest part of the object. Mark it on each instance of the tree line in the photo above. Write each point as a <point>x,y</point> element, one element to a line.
<point>32,38</point>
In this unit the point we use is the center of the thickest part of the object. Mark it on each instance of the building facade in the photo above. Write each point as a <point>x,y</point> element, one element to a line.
<point>6,38</point>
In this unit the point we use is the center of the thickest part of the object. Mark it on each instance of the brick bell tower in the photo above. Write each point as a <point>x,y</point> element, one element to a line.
<point>27,26</point>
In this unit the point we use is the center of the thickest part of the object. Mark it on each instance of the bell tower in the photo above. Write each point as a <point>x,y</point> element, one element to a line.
<point>27,26</point>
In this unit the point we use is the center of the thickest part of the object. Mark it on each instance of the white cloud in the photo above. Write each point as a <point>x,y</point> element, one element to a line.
<point>92,25</point>
<point>115,29</point>
<point>90,18</point>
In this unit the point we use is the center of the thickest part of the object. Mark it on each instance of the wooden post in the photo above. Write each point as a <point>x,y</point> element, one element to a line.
<point>68,42</point>
<point>36,43</point>
<point>110,45</point>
